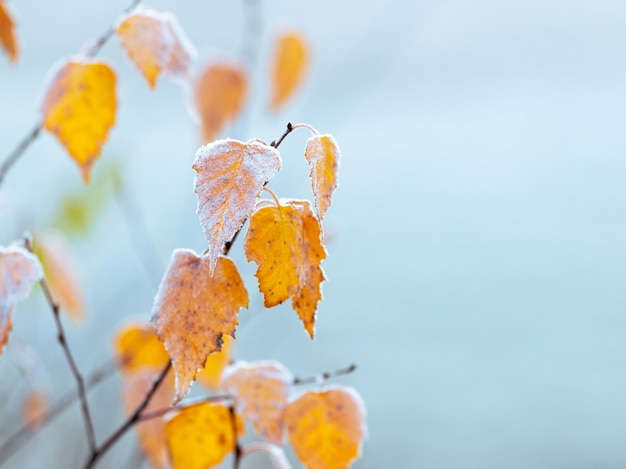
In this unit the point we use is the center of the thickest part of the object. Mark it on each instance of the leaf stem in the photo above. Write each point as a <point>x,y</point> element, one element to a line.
<point>276,453</point>
<point>310,128</point>
<point>271,192</point>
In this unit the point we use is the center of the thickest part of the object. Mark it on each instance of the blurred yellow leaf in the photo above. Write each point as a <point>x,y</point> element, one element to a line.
<point>220,92</point>
<point>200,436</point>
<point>35,409</point>
<point>211,375</point>
<point>79,109</point>
<point>326,428</point>
<point>289,65</point>
<point>138,348</point>
<point>285,242</point>
<point>8,39</point>
<point>155,43</point>
<point>194,310</point>
<point>229,177</point>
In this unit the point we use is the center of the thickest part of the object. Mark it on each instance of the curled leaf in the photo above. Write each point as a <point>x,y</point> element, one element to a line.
<point>326,428</point>
<point>322,153</point>
<point>194,310</point>
<point>220,92</point>
<point>261,391</point>
<point>79,109</point>
<point>229,177</point>
<point>285,242</point>
<point>289,65</point>
<point>8,39</point>
<point>155,43</point>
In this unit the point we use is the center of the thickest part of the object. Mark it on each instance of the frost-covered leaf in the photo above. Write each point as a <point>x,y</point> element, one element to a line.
<point>291,60</point>
<point>19,271</point>
<point>79,109</point>
<point>193,310</point>
<point>322,153</point>
<point>52,249</point>
<point>137,348</point>
<point>211,375</point>
<point>8,39</point>
<point>155,43</point>
<point>151,432</point>
<point>285,242</point>
<point>229,177</point>
<point>200,436</point>
<point>261,391</point>
<point>220,92</point>
<point>326,428</point>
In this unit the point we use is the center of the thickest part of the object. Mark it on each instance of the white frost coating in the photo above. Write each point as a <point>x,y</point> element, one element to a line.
<point>229,177</point>
<point>320,166</point>
<point>271,369</point>
<point>19,271</point>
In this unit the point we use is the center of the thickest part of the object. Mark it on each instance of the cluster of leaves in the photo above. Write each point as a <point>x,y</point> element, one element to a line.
<point>195,314</point>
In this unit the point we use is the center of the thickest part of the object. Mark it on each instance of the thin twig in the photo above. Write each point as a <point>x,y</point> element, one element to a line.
<point>19,438</point>
<point>19,150</point>
<point>108,34</point>
<point>237,449</point>
<point>132,420</point>
<point>80,383</point>
<point>324,376</point>
<point>275,143</point>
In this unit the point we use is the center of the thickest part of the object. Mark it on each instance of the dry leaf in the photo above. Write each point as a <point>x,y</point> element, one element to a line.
<point>19,271</point>
<point>229,177</point>
<point>8,39</point>
<point>285,242</point>
<point>322,153</point>
<point>193,310</point>
<point>52,249</point>
<point>151,432</point>
<point>200,436</point>
<point>79,109</point>
<point>261,391</point>
<point>137,348</point>
<point>290,63</point>
<point>220,92</point>
<point>211,375</point>
<point>35,409</point>
<point>326,428</point>
<point>155,43</point>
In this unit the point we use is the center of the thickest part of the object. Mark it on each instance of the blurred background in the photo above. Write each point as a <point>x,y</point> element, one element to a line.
<point>476,242</point>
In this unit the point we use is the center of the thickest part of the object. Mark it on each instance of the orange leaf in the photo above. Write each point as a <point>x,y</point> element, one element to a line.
<point>35,409</point>
<point>211,375</point>
<point>221,90</point>
<point>326,428</point>
<point>151,432</point>
<point>155,43</point>
<point>285,242</point>
<point>51,248</point>
<point>229,177</point>
<point>137,348</point>
<point>19,271</point>
<point>79,109</point>
<point>200,436</point>
<point>322,153</point>
<point>290,63</point>
<point>193,310</point>
<point>261,391</point>
<point>8,39</point>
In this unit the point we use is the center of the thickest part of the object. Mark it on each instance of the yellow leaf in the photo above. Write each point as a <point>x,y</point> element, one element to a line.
<point>290,63</point>
<point>138,348</point>
<point>51,247</point>
<point>79,109</point>
<point>8,39</point>
<point>151,432</point>
<point>326,428</point>
<point>194,310</point>
<point>155,43</point>
<point>285,242</point>
<point>322,153</point>
<point>261,391</point>
<point>35,409</point>
<point>229,177</point>
<point>19,271</point>
<point>200,436</point>
<point>211,375</point>
<point>220,92</point>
